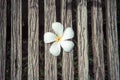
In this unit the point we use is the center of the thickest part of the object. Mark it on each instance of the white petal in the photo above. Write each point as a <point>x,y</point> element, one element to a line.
<point>58,28</point>
<point>49,37</point>
<point>55,49</point>
<point>68,34</point>
<point>67,45</point>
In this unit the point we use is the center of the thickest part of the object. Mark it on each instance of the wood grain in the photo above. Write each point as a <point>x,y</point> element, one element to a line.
<point>112,40</point>
<point>50,60</point>
<point>3,25</point>
<point>16,40</point>
<point>82,40</point>
<point>67,58</point>
<point>33,40</point>
<point>97,40</point>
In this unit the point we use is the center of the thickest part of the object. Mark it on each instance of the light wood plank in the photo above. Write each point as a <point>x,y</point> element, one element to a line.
<point>112,40</point>
<point>82,39</point>
<point>97,40</point>
<point>67,58</point>
<point>33,40</point>
<point>16,39</point>
<point>50,60</point>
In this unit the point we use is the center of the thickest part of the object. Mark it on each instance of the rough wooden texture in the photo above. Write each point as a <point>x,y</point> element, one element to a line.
<point>112,40</point>
<point>97,39</point>
<point>67,58</point>
<point>33,40</point>
<point>16,39</point>
<point>50,60</point>
<point>82,39</point>
<point>3,23</point>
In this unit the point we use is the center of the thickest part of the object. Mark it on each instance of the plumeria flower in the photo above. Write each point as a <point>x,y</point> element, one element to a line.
<point>59,39</point>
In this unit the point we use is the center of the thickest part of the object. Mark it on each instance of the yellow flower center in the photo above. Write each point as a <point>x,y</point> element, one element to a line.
<point>58,38</point>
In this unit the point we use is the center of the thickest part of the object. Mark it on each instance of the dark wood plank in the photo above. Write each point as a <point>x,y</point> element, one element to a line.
<point>112,39</point>
<point>33,40</point>
<point>50,60</point>
<point>3,23</point>
<point>16,39</point>
<point>97,39</point>
<point>82,40</point>
<point>67,58</point>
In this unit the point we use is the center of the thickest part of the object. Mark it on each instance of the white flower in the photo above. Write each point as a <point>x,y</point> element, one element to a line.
<point>59,39</point>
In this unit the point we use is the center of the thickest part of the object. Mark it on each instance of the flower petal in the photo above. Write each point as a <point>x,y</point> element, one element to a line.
<point>67,45</point>
<point>55,49</point>
<point>49,37</point>
<point>58,28</point>
<point>68,34</point>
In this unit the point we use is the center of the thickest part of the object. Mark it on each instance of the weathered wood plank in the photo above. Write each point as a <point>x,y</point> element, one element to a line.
<point>67,58</point>
<point>3,23</point>
<point>97,39</point>
<point>33,40</point>
<point>82,40</point>
<point>50,60</point>
<point>112,40</point>
<point>16,39</point>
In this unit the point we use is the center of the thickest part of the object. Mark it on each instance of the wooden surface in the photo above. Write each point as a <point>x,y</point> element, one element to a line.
<point>81,33</point>
<point>33,40</point>
<point>3,25</point>
<point>67,58</point>
<point>82,39</point>
<point>50,60</point>
<point>97,40</point>
<point>16,40</point>
<point>112,40</point>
